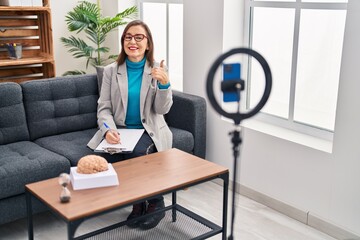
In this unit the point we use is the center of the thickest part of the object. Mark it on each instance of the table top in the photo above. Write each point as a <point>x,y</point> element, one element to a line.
<point>139,178</point>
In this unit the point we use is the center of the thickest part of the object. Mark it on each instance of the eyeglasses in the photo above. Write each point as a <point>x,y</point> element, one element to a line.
<point>137,37</point>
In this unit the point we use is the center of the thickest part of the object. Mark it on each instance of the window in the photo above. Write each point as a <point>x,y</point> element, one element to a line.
<point>165,19</point>
<point>302,41</point>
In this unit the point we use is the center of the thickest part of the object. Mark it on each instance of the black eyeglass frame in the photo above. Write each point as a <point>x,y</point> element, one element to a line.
<point>134,36</point>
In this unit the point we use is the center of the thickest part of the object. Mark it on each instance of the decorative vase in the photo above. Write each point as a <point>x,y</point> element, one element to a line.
<point>4,2</point>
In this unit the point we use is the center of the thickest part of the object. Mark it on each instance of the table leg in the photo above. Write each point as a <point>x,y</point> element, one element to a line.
<point>225,177</point>
<point>72,227</point>
<point>29,216</point>
<point>173,209</point>
<point>70,231</point>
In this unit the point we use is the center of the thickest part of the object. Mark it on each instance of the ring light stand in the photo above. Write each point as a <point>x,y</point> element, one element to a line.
<point>237,86</point>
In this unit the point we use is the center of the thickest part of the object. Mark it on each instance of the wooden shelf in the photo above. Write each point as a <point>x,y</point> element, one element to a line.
<point>24,9</point>
<point>25,61</point>
<point>31,28</point>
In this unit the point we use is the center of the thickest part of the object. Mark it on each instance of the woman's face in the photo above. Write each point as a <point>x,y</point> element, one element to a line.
<point>135,49</point>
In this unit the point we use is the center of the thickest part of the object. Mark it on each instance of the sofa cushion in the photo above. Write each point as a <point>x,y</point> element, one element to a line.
<point>25,162</point>
<point>13,125</point>
<point>193,121</point>
<point>73,145</point>
<point>182,140</point>
<point>60,105</point>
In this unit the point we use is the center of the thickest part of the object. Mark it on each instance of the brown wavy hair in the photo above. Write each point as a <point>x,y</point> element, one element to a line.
<point>149,54</point>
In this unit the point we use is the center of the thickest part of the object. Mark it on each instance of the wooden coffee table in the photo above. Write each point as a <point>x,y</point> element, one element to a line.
<point>139,179</point>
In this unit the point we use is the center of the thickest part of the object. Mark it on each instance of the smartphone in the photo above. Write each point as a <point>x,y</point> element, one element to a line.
<point>231,71</point>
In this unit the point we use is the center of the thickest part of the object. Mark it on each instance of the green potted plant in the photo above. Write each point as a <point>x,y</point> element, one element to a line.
<point>87,17</point>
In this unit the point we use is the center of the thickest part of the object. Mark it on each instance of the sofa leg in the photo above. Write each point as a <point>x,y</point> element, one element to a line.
<point>29,216</point>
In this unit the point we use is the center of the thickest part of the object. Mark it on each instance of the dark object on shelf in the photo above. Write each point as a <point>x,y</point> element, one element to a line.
<point>14,50</point>
<point>4,2</point>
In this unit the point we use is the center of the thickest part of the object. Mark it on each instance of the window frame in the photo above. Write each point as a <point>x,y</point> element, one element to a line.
<point>178,84</point>
<point>297,5</point>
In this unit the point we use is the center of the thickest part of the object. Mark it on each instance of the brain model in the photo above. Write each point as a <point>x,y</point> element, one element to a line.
<point>92,164</point>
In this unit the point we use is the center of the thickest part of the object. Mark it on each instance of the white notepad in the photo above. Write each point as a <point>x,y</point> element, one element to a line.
<point>128,138</point>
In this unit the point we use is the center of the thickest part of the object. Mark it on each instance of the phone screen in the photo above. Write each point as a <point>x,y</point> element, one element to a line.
<point>231,71</point>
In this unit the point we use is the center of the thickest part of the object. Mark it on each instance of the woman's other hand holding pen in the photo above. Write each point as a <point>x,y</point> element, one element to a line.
<point>112,136</point>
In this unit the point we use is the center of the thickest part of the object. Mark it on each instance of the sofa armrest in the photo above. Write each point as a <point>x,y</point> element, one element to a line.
<point>188,112</point>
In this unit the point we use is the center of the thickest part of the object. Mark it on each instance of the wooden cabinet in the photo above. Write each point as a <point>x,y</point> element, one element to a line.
<point>30,27</point>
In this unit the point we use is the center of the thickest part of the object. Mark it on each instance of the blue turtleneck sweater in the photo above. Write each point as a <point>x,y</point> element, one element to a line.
<point>134,71</point>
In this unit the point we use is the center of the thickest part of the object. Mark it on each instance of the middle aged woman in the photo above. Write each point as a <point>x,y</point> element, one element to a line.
<point>136,94</point>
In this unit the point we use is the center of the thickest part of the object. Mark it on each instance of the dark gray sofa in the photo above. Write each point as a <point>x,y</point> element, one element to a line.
<point>46,124</point>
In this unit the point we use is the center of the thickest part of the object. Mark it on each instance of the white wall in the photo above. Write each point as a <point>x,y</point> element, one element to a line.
<point>327,185</point>
<point>345,194</point>
<point>63,60</point>
<point>203,42</point>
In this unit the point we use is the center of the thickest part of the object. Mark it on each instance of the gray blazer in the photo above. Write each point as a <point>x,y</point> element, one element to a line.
<point>112,105</point>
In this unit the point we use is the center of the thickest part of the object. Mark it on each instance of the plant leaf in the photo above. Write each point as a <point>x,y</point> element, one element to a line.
<point>74,72</point>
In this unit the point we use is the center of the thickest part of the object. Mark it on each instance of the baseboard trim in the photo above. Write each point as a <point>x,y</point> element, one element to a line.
<point>301,215</point>
<point>275,204</point>
<point>331,229</point>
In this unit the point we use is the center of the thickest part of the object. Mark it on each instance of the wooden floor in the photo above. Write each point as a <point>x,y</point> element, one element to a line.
<point>253,220</point>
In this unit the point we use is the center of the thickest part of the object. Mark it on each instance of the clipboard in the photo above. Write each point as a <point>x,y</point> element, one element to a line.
<point>129,139</point>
